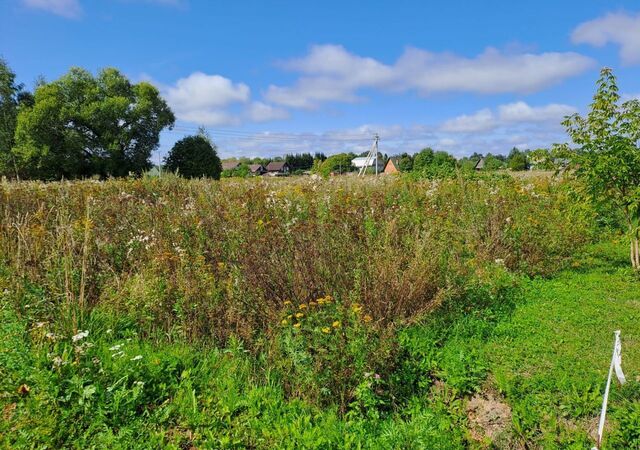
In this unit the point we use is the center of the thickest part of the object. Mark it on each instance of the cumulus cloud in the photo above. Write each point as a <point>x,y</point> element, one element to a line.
<point>522,112</point>
<point>491,72</point>
<point>215,100</point>
<point>511,113</point>
<point>618,28</point>
<point>261,112</point>
<point>330,73</point>
<point>203,99</point>
<point>480,121</point>
<point>70,9</point>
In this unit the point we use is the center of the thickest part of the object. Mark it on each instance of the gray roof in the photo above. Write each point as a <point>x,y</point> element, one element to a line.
<point>230,165</point>
<point>276,166</point>
<point>256,167</point>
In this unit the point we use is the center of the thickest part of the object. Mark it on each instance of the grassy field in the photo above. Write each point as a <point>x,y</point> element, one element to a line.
<point>297,314</point>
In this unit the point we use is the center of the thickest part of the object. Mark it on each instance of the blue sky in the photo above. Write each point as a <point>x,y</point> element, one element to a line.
<point>269,77</point>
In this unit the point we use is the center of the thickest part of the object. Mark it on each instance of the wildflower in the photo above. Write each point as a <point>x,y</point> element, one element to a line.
<point>220,265</point>
<point>302,306</point>
<point>326,330</point>
<point>136,358</point>
<point>80,336</point>
<point>299,315</point>
<point>290,316</point>
<point>312,303</point>
<point>139,383</point>
<point>321,301</point>
<point>367,318</point>
<point>109,331</point>
<point>336,324</point>
<point>356,307</point>
<point>57,361</point>
<point>296,325</point>
<point>287,302</point>
<point>115,347</point>
<point>284,321</point>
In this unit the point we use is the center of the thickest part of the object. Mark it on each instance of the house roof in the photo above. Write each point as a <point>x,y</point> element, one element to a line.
<point>395,160</point>
<point>229,165</point>
<point>479,164</point>
<point>256,167</point>
<point>276,166</point>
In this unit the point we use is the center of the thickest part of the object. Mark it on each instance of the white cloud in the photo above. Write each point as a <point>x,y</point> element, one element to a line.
<point>332,74</point>
<point>480,121</point>
<point>261,112</point>
<point>617,28</point>
<point>215,100</point>
<point>508,114</point>
<point>203,99</point>
<point>70,9</point>
<point>308,93</point>
<point>491,72</point>
<point>521,112</point>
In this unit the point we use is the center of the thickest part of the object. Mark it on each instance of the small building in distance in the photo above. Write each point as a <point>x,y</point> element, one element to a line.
<point>361,161</point>
<point>230,165</point>
<point>257,169</point>
<point>392,165</point>
<point>278,169</point>
<point>479,165</point>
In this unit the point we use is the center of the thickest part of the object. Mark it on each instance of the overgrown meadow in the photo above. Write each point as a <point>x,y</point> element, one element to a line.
<point>298,313</point>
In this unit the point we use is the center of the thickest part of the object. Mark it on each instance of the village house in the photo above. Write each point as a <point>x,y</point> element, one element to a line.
<point>257,169</point>
<point>230,165</point>
<point>393,165</point>
<point>361,161</point>
<point>278,169</point>
<point>479,165</point>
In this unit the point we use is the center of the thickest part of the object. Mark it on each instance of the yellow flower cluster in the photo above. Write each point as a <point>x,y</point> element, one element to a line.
<point>325,300</point>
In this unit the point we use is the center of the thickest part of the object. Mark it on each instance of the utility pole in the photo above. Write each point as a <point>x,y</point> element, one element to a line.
<point>371,156</point>
<point>377,138</point>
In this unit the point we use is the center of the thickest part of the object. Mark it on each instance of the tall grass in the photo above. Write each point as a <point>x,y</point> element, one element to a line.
<point>232,313</point>
<point>200,259</point>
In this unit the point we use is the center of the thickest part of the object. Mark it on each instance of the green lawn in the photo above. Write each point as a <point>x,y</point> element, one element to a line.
<point>550,359</point>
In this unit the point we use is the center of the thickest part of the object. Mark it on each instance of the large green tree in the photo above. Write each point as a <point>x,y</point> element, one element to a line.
<point>606,155</point>
<point>193,157</point>
<point>81,125</point>
<point>12,96</point>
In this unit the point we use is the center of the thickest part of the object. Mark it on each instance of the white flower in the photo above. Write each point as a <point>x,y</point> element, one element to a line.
<point>499,261</point>
<point>136,358</point>
<point>80,336</point>
<point>115,347</point>
<point>109,331</point>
